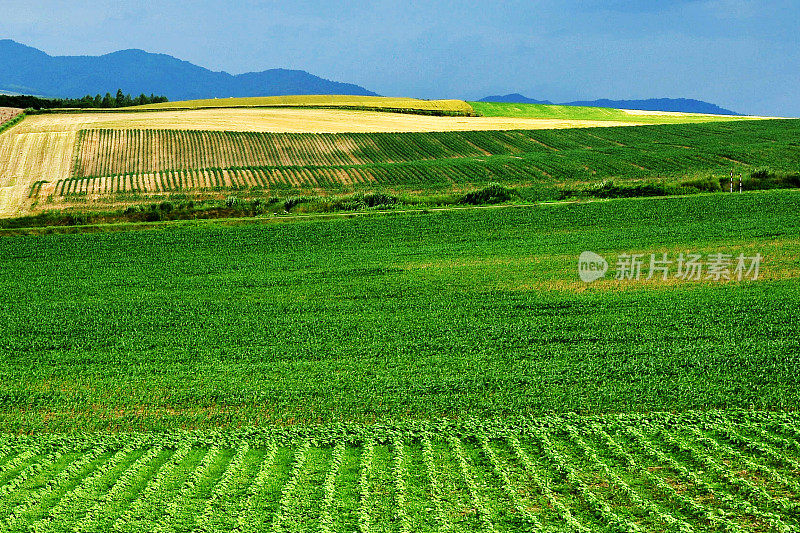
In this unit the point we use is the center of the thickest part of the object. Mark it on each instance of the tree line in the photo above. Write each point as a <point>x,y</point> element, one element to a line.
<point>100,102</point>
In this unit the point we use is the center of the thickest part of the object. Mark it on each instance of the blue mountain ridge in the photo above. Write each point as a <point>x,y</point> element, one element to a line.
<point>27,70</point>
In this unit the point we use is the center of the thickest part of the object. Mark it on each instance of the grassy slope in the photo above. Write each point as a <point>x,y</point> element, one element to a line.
<point>371,102</point>
<point>496,109</point>
<point>475,313</point>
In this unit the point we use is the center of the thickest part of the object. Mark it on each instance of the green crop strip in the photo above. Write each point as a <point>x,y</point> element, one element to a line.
<point>563,112</point>
<point>654,472</point>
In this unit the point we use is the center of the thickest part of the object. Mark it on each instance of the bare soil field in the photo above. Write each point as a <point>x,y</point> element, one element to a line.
<point>7,113</point>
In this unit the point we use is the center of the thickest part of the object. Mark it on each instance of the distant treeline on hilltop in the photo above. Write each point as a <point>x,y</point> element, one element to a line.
<point>88,101</point>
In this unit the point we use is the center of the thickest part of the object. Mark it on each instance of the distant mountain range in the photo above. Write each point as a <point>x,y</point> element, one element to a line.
<point>30,71</point>
<point>27,70</point>
<point>682,105</point>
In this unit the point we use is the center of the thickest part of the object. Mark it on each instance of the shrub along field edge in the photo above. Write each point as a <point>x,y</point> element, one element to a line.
<point>252,204</point>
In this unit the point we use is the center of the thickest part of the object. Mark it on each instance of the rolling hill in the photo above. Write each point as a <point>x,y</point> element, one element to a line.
<point>679,105</point>
<point>31,71</point>
<point>514,98</point>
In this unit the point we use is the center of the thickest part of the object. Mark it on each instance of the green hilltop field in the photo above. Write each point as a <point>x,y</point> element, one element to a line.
<point>565,112</point>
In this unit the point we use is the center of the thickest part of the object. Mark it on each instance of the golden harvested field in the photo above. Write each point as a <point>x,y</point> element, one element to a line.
<point>287,120</point>
<point>42,148</point>
<point>26,158</point>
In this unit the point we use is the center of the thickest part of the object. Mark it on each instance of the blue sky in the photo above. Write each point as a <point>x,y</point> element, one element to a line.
<point>740,54</point>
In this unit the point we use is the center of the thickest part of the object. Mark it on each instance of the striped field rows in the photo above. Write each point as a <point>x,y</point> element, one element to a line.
<point>295,178</point>
<point>709,472</point>
<point>109,161</point>
<point>105,152</point>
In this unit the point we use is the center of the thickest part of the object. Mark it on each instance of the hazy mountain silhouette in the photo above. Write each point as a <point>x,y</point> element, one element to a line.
<point>514,98</point>
<point>27,70</point>
<point>683,105</point>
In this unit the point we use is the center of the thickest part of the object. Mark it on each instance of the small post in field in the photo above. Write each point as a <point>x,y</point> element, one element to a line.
<point>740,184</point>
<point>731,180</point>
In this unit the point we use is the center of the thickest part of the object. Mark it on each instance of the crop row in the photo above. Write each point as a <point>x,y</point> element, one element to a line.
<point>279,178</point>
<point>709,472</point>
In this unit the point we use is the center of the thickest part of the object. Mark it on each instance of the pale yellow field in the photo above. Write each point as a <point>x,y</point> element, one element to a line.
<point>289,120</point>
<point>29,157</point>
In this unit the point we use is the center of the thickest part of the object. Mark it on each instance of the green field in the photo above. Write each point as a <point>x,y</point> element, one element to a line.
<point>395,317</point>
<point>408,369</point>
<point>569,112</point>
<point>654,473</point>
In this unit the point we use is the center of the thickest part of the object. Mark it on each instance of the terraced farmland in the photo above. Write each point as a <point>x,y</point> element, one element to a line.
<point>692,472</point>
<point>111,161</point>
